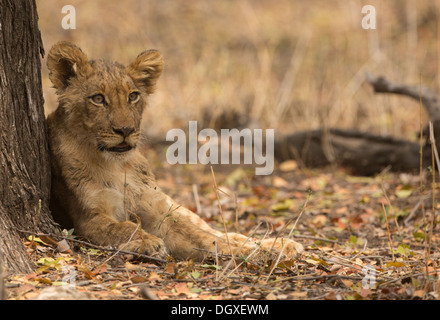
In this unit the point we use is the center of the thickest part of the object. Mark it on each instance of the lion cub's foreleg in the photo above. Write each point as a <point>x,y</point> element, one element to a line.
<point>102,229</point>
<point>184,232</point>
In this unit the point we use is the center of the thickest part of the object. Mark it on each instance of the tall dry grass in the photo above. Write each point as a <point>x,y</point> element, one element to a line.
<point>293,65</point>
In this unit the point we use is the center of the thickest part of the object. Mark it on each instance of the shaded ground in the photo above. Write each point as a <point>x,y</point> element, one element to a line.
<point>350,254</point>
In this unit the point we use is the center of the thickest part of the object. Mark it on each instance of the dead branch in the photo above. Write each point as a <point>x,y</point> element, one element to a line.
<point>364,153</point>
<point>430,99</point>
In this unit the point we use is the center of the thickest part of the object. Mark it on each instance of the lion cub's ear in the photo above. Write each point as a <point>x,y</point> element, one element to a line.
<point>65,61</point>
<point>146,69</point>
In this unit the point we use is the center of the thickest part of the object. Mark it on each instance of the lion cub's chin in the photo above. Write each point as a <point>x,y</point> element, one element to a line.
<point>117,153</point>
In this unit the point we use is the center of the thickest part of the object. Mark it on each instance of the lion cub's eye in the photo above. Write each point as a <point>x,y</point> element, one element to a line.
<point>133,97</point>
<point>98,99</point>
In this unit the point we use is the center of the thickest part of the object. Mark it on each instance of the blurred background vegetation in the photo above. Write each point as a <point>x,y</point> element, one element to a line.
<point>292,65</point>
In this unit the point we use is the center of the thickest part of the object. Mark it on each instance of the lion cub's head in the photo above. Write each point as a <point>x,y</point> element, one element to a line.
<point>101,102</point>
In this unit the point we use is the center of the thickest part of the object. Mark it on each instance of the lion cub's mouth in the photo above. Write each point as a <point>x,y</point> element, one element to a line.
<point>122,147</point>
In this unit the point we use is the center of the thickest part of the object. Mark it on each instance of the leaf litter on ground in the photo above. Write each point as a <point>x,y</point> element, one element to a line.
<point>349,252</point>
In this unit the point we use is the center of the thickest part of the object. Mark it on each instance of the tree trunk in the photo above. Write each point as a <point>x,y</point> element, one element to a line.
<point>24,155</point>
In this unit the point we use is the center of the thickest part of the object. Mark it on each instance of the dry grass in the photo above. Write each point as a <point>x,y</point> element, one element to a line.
<point>294,65</point>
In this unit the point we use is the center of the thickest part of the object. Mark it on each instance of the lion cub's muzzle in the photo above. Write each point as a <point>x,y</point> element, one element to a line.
<point>128,142</point>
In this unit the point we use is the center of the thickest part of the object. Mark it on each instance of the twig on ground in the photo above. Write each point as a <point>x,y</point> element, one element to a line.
<point>216,260</point>
<point>390,207</point>
<point>125,244</point>
<point>415,209</point>
<point>300,236</point>
<point>388,229</point>
<point>352,264</point>
<point>290,235</point>
<point>421,148</point>
<point>409,274</point>
<point>221,214</point>
<point>360,252</point>
<point>435,162</point>
<point>257,248</point>
<point>109,249</point>
<point>318,277</point>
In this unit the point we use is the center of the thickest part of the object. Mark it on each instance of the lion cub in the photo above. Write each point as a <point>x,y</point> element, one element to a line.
<point>101,184</point>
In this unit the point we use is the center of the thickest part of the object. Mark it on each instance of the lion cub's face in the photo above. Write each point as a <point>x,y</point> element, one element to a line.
<point>102,102</point>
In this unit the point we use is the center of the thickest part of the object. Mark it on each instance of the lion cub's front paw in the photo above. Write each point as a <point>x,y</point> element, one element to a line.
<point>292,249</point>
<point>149,245</point>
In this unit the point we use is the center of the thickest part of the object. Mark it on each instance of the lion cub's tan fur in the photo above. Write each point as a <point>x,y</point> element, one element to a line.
<point>101,184</point>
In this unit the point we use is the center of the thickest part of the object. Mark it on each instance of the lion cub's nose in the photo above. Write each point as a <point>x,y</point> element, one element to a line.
<point>124,131</point>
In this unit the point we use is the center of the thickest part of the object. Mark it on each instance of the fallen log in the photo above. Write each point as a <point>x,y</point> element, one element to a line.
<point>360,153</point>
<point>364,153</point>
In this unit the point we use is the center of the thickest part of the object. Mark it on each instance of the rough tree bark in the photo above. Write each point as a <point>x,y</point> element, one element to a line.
<point>24,156</point>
